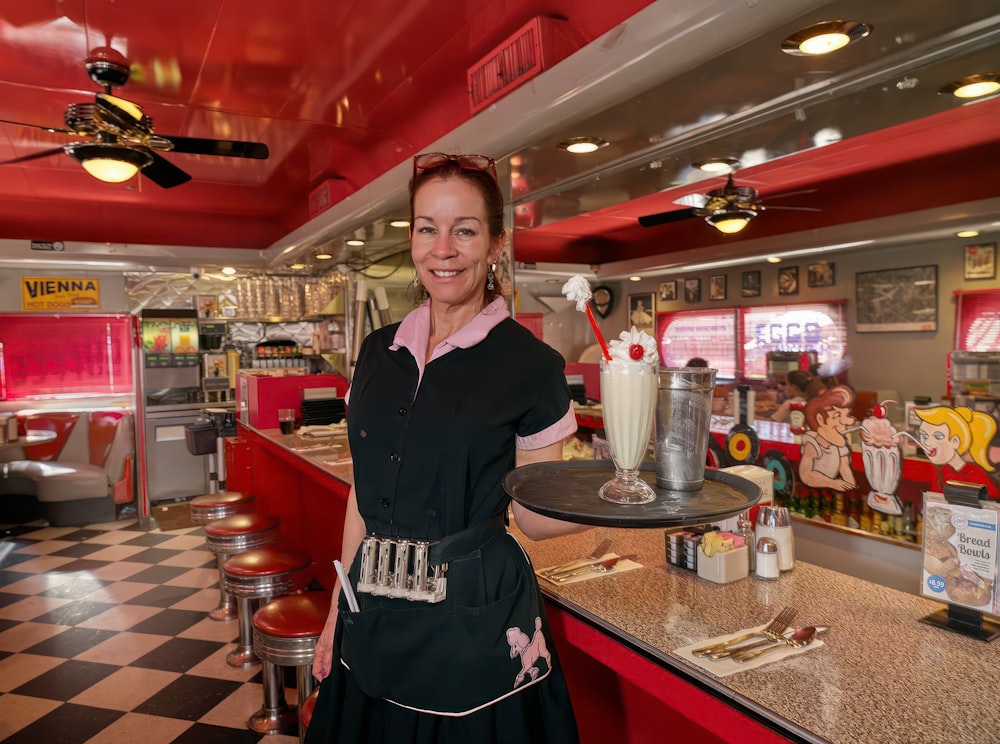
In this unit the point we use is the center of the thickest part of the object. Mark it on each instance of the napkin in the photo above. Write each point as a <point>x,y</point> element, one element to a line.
<point>725,667</point>
<point>318,432</point>
<point>620,567</point>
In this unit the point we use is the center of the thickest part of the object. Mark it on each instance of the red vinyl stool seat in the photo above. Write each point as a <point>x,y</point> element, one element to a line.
<point>212,506</point>
<point>285,632</point>
<point>231,535</point>
<point>255,578</point>
<point>306,708</point>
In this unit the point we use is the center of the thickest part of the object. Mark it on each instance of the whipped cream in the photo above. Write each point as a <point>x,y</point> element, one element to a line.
<point>577,289</point>
<point>621,347</point>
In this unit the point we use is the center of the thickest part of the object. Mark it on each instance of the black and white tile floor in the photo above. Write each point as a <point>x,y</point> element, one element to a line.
<point>104,637</point>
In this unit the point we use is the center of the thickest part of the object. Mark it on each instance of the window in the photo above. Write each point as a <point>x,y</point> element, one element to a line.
<point>735,341</point>
<point>59,355</point>
<point>818,327</point>
<point>709,334</point>
<point>978,320</point>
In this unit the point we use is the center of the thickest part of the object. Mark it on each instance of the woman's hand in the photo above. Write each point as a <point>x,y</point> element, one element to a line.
<point>323,655</point>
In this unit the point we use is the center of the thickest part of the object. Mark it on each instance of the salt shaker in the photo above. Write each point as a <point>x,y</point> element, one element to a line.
<point>766,566</point>
<point>775,522</point>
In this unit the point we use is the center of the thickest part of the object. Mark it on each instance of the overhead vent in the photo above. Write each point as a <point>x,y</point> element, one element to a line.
<point>537,46</point>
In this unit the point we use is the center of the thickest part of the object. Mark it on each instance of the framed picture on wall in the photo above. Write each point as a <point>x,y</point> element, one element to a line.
<point>788,280</point>
<point>750,286</point>
<point>820,274</point>
<point>640,311</point>
<point>668,291</point>
<point>981,261</point>
<point>897,299</point>
<point>717,287</point>
<point>692,290</point>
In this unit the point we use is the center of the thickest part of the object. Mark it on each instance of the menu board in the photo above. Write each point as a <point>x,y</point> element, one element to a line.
<point>960,550</point>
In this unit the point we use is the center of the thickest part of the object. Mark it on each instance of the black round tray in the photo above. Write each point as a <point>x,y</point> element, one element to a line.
<point>568,491</point>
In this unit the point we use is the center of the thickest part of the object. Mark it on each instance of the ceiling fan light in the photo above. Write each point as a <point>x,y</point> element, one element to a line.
<point>974,86</point>
<point>109,162</point>
<point>823,38</point>
<point>730,221</point>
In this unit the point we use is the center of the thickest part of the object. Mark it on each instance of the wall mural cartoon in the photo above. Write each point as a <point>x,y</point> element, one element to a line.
<point>882,457</point>
<point>957,440</point>
<point>826,454</point>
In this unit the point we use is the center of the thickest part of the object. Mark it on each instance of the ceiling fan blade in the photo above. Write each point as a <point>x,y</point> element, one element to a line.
<point>54,130</point>
<point>663,218</point>
<point>224,148</point>
<point>163,173</point>
<point>693,200</point>
<point>786,194</point>
<point>33,156</point>
<point>769,207</point>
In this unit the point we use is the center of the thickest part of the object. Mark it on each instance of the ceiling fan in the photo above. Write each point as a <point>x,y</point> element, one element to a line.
<point>728,209</point>
<point>120,137</point>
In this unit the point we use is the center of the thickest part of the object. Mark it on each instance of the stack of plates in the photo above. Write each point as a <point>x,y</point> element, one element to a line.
<point>322,411</point>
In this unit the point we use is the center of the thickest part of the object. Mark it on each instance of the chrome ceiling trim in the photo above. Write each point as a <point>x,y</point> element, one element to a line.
<point>975,36</point>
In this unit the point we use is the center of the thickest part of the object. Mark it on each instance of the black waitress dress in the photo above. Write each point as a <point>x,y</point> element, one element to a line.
<point>430,453</point>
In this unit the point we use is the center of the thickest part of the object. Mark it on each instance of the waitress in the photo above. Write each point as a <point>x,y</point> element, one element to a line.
<point>442,406</point>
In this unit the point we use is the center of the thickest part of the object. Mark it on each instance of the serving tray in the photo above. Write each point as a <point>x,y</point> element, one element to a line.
<point>568,491</point>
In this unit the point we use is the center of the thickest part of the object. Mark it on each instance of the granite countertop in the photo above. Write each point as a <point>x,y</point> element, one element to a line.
<point>332,455</point>
<point>881,672</point>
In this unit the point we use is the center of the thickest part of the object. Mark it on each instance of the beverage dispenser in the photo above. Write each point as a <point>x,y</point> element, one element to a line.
<point>171,361</point>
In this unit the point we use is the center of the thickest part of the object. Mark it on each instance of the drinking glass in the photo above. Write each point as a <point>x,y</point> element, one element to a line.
<point>286,420</point>
<point>628,399</point>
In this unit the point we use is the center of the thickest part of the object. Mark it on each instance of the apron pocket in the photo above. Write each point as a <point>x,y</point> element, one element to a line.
<point>443,659</point>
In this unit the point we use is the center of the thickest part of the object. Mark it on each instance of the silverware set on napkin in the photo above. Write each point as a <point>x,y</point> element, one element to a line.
<point>774,635</point>
<point>597,562</point>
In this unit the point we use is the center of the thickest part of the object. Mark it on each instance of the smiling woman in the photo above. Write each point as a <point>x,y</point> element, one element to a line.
<point>451,398</point>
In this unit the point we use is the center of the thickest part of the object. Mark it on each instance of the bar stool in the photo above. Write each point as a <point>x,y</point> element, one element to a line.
<point>212,506</point>
<point>285,632</point>
<point>306,708</point>
<point>232,535</point>
<point>256,577</point>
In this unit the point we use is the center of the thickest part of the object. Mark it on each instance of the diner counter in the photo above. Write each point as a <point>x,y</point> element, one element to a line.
<point>880,673</point>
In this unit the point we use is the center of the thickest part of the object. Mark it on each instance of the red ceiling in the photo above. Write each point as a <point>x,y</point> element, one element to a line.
<point>335,89</point>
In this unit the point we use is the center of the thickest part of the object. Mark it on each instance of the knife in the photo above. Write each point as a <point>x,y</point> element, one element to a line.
<point>604,565</point>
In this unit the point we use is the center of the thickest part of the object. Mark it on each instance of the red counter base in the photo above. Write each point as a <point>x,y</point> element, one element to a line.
<point>619,695</point>
<point>310,503</point>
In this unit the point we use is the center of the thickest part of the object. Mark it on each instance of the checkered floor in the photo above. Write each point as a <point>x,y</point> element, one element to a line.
<point>104,637</point>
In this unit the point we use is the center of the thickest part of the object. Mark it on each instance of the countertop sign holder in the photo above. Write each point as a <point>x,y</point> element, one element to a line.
<point>956,618</point>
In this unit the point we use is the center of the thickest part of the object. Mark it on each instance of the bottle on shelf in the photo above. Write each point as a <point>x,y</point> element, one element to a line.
<point>853,513</point>
<point>839,516</point>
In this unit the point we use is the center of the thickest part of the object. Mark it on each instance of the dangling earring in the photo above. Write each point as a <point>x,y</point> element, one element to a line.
<point>489,277</point>
<point>416,280</point>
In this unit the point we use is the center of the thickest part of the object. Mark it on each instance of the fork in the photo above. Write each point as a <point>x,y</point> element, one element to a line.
<point>599,552</point>
<point>772,630</point>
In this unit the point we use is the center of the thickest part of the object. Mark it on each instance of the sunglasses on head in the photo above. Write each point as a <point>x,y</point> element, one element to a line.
<point>431,160</point>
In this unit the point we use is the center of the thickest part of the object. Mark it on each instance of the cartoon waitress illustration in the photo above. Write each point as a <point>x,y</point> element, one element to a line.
<point>957,440</point>
<point>826,456</point>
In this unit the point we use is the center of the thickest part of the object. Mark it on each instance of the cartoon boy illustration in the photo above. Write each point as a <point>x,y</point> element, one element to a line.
<point>957,440</point>
<point>826,457</point>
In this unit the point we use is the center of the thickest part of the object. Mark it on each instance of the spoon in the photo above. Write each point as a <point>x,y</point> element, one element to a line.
<point>800,638</point>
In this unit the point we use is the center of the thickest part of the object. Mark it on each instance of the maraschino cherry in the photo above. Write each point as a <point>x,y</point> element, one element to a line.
<point>636,352</point>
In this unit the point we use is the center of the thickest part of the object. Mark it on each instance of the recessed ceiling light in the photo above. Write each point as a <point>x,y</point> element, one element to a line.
<point>823,38</point>
<point>974,86</point>
<point>582,145</point>
<point>228,270</point>
<point>773,259</point>
<point>297,266</point>
<point>967,234</point>
<point>717,165</point>
<point>399,223</point>
<point>355,242</point>
<point>635,278</point>
<point>324,256</point>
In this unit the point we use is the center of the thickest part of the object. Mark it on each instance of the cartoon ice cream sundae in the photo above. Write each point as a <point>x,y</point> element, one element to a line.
<point>882,455</point>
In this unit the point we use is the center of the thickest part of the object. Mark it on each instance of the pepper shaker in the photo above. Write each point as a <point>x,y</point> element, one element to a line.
<point>767,559</point>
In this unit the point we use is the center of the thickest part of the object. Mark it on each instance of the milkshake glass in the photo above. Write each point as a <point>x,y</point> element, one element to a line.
<point>628,399</point>
<point>881,455</point>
